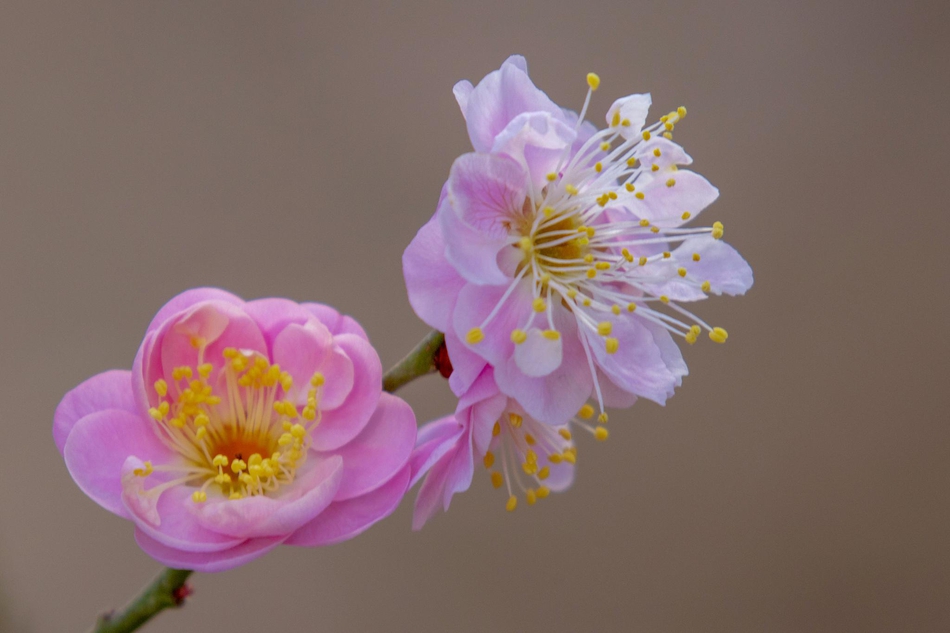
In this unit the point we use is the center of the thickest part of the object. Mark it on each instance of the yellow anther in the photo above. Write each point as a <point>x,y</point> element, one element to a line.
<point>285,439</point>
<point>644,223</point>
<point>602,265</point>
<point>317,380</point>
<point>526,244</point>
<point>538,304</point>
<point>205,369</point>
<point>238,465</point>
<point>222,479</point>
<point>489,459</point>
<point>495,430</point>
<point>639,195</point>
<point>530,497</point>
<point>178,423</point>
<point>255,471</point>
<point>309,413</point>
<point>667,136</point>
<point>626,255</point>
<point>696,257</point>
<point>591,273</point>
<point>598,167</point>
<point>298,431</point>
<point>552,177</point>
<point>686,215</point>
<point>570,189</point>
<point>219,460</point>
<point>565,433</point>
<point>543,492</point>
<point>555,458</point>
<point>515,420</point>
<point>475,335</point>
<point>654,167</point>
<point>646,135</point>
<point>706,286</point>
<point>593,81</point>
<point>718,335</point>
<point>569,457</point>
<point>512,503</point>
<point>255,460</point>
<point>586,302</point>
<point>656,152</point>
<point>681,271</point>
<point>654,229</point>
<point>615,120</point>
<point>531,442</point>
<point>664,118</point>
<point>612,345</point>
<point>695,329</point>
<point>544,473</point>
<point>199,496</point>
<point>161,387</point>
<point>201,420</point>
<point>605,145</point>
<point>681,111</point>
<point>631,307</point>
<point>235,496</point>
<point>717,230</point>
<point>615,309</point>
<point>213,400</point>
<point>668,126</point>
<point>548,212</point>
<point>591,231</point>
<point>601,433</point>
<point>667,254</point>
<point>604,328</point>
<point>690,338</point>
<point>146,470</point>
<point>602,418</point>
<point>201,433</point>
<point>589,258</point>
<point>497,480</point>
<point>631,161</point>
<point>529,468</point>
<point>551,335</point>
<point>571,293</point>
<point>585,413</point>
<point>185,372</point>
<point>155,414</point>
<point>583,241</point>
<point>518,336</point>
<point>545,279</point>
<point>671,182</point>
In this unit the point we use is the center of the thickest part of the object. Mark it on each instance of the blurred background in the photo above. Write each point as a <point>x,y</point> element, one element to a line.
<point>797,482</point>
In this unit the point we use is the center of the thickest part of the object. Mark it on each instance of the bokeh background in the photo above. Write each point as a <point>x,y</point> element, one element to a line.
<point>797,482</point>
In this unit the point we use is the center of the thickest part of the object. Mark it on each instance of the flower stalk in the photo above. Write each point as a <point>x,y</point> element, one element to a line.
<point>169,588</point>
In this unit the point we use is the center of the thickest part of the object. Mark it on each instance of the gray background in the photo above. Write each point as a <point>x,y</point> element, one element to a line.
<point>797,482</point>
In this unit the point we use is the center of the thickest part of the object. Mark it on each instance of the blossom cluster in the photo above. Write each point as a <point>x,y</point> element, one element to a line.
<point>558,264</point>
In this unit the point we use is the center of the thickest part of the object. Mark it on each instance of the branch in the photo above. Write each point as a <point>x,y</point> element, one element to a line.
<point>169,588</point>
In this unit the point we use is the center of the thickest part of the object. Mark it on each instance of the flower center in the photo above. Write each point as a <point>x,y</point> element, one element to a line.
<point>249,440</point>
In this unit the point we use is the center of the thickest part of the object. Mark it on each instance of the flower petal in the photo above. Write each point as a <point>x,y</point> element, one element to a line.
<point>292,506</point>
<point>380,451</point>
<point>663,205</point>
<point>108,390</point>
<point>633,109</point>
<point>473,307</point>
<point>466,364</point>
<point>539,355</point>
<point>434,440</point>
<point>97,448</point>
<point>334,321</point>
<point>188,298</point>
<point>431,281</point>
<point>206,562</point>
<point>343,520</point>
<point>537,140</point>
<point>273,315</point>
<point>341,424</point>
<point>719,264</point>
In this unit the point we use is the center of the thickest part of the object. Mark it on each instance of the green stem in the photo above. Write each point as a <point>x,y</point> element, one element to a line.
<point>419,362</point>
<point>163,592</point>
<point>167,589</point>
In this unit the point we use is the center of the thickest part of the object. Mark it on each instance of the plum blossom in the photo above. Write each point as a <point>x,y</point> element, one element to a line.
<point>561,255</point>
<point>521,454</point>
<point>242,425</point>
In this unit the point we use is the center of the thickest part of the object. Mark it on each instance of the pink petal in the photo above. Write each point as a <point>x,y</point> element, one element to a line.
<point>633,108</point>
<point>434,440</point>
<point>334,321</point>
<point>720,264</point>
<point>108,390</point>
<point>537,140</point>
<point>301,350</point>
<point>293,505</point>
<point>466,364</point>
<point>486,194</point>
<point>273,315</point>
<point>462,90</point>
<point>432,493</point>
<point>670,154</point>
<point>498,98</point>
<point>474,305</point>
<point>97,448</point>
<point>343,520</point>
<point>380,451</point>
<point>189,298</point>
<point>614,396</point>
<point>340,425</point>
<point>482,417</point>
<point>206,562</point>
<point>431,281</point>
<point>664,206</point>
<point>538,355</point>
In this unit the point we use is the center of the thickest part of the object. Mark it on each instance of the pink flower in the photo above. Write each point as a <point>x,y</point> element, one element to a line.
<point>521,453</point>
<point>243,425</point>
<point>558,253</point>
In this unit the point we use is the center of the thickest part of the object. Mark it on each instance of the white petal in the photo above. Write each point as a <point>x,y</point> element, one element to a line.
<point>632,108</point>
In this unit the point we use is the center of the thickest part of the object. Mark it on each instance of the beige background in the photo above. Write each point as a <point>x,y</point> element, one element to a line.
<point>798,481</point>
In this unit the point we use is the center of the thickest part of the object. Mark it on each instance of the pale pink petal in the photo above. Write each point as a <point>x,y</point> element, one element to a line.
<point>340,425</point>
<point>273,315</point>
<point>458,475</point>
<point>434,440</point>
<point>334,321</point>
<point>97,448</point>
<point>486,195</point>
<point>301,351</point>
<point>380,451</point>
<point>462,90</point>
<point>614,397</point>
<point>719,264</point>
<point>466,364</point>
<point>474,305</point>
<point>188,298</point>
<point>343,520</point>
<point>433,492</point>
<point>482,417</point>
<point>632,109</point>
<point>670,154</point>
<point>207,562</point>
<point>431,281</point>
<point>663,205</point>
<point>498,98</point>
<point>282,513</point>
<point>108,390</point>
<point>539,355</point>
<point>537,140</point>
